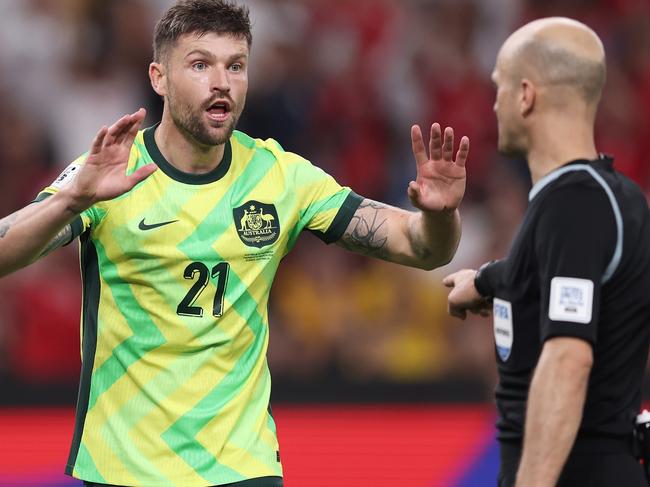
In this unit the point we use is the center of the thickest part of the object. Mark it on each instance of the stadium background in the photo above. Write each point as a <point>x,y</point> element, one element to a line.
<point>373,383</point>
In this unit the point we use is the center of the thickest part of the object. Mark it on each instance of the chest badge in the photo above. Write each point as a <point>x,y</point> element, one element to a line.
<point>257,223</point>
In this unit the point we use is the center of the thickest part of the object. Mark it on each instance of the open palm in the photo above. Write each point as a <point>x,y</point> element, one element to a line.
<point>440,181</point>
<point>103,175</point>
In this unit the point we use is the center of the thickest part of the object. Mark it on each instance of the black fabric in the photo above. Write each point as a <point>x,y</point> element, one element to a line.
<point>487,279</point>
<point>594,462</point>
<point>575,237</point>
<point>165,166</point>
<point>341,220</point>
<point>259,482</point>
<point>569,230</point>
<point>90,307</point>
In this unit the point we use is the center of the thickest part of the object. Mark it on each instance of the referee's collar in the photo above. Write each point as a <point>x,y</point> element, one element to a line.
<point>577,165</point>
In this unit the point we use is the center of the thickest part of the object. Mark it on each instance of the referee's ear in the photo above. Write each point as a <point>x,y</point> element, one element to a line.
<point>527,97</point>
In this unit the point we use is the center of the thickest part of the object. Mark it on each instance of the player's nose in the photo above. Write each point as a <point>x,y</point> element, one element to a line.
<point>219,81</point>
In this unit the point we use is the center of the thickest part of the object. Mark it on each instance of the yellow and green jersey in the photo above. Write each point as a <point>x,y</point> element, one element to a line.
<point>176,277</point>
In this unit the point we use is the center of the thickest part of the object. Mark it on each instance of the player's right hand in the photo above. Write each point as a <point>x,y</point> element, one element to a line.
<point>103,175</point>
<point>440,180</point>
<point>463,296</point>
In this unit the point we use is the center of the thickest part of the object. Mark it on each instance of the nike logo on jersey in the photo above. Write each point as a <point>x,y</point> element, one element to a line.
<point>145,226</point>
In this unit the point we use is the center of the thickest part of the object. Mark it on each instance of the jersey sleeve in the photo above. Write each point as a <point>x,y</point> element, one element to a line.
<point>574,242</point>
<point>86,219</point>
<point>488,277</point>
<point>326,207</point>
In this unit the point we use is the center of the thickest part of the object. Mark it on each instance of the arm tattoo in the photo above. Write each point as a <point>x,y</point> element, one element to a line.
<point>364,234</point>
<point>5,224</point>
<point>62,238</point>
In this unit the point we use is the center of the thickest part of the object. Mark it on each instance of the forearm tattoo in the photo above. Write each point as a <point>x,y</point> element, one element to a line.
<point>61,238</point>
<point>365,233</point>
<point>5,224</point>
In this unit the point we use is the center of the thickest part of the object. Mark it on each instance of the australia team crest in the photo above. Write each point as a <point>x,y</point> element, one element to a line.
<point>257,223</point>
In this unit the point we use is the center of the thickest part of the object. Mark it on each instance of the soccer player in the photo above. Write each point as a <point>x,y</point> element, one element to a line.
<point>182,227</point>
<point>570,302</point>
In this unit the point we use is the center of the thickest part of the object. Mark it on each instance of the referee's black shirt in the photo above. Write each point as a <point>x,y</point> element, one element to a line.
<point>579,267</point>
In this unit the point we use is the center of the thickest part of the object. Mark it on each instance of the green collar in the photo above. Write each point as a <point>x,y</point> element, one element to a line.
<point>178,175</point>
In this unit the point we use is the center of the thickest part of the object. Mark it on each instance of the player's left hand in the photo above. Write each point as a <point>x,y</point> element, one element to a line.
<point>440,181</point>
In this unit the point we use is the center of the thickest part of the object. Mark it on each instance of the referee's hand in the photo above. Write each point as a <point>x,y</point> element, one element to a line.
<point>463,296</point>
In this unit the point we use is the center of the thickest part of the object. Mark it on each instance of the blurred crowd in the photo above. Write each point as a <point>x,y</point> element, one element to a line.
<point>340,82</point>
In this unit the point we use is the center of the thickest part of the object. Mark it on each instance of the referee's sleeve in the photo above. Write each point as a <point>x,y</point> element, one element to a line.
<point>574,242</point>
<point>489,277</point>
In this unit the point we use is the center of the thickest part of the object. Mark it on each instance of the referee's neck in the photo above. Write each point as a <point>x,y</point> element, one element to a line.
<point>561,142</point>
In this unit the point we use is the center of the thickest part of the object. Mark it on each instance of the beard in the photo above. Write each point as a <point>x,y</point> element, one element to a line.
<point>511,145</point>
<point>191,121</point>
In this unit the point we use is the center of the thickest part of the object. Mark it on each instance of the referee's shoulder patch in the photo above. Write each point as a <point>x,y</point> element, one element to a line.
<point>571,299</point>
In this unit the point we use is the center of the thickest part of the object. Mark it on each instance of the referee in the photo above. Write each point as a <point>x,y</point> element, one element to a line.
<point>571,301</point>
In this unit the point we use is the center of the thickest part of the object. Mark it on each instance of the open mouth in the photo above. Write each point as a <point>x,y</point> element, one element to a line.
<point>219,110</point>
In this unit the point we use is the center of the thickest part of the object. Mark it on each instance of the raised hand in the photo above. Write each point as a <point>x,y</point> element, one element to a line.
<point>440,181</point>
<point>103,175</point>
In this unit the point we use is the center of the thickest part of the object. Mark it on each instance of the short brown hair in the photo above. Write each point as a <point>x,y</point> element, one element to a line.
<point>200,17</point>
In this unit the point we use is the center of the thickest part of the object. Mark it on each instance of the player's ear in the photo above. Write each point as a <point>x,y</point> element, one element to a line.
<point>158,78</point>
<point>527,97</point>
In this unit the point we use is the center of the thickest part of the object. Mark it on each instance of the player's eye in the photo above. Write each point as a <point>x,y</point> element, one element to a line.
<point>236,67</point>
<point>199,66</point>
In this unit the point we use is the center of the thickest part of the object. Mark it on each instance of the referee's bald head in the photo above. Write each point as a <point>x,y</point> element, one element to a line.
<point>560,54</point>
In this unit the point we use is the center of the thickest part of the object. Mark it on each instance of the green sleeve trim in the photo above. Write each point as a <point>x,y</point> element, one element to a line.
<point>341,220</point>
<point>41,197</point>
<point>77,224</point>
